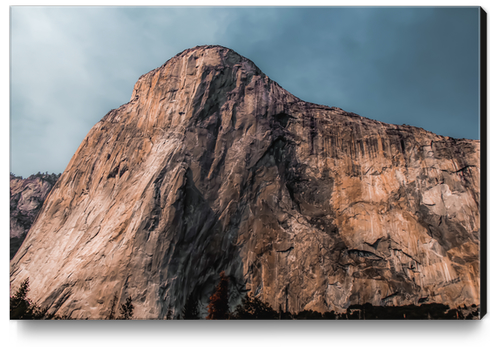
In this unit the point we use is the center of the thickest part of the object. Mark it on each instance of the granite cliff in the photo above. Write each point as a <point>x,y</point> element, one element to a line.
<point>26,198</point>
<point>212,166</point>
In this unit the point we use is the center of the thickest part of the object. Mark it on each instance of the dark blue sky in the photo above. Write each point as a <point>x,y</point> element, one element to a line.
<point>407,65</point>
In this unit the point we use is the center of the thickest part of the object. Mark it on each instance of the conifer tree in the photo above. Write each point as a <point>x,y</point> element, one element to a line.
<point>19,305</point>
<point>22,308</point>
<point>127,309</point>
<point>191,309</point>
<point>218,302</point>
<point>254,308</point>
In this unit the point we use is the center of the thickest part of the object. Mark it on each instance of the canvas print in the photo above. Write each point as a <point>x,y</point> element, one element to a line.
<point>221,163</point>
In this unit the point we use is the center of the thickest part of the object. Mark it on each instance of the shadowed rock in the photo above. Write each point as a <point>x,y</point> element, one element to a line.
<point>26,198</point>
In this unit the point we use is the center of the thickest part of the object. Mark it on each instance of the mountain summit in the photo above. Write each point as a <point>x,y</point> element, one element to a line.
<point>211,166</point>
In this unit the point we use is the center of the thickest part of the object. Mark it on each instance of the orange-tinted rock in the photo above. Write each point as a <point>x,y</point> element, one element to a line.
<point>212,166</point>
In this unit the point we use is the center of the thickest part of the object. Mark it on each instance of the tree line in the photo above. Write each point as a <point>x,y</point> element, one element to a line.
<point>50,177</point>
<point>251,307</point>
<point>22,308</point>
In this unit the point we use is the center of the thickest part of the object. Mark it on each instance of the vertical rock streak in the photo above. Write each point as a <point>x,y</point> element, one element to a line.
<point>212,166</point>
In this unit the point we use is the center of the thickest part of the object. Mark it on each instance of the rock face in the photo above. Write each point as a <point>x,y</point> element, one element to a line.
<point>212,166</point>
<point>26,198</point>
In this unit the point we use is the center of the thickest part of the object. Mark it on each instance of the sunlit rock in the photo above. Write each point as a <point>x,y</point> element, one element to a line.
<point>211,166</point>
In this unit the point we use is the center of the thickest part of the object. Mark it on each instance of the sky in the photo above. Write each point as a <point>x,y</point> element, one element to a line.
<point>69,66</point>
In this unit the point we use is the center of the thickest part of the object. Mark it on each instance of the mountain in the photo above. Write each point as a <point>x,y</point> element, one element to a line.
<point>211,166</point>
<point>26,198</point>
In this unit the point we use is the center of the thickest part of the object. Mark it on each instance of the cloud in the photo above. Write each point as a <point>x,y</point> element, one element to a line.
<point>399,65</point>
<point>71,65</point>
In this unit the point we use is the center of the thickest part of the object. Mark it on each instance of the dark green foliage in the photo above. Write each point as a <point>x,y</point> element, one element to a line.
<point>370,312</point>
<point>329,315</point>
<point>191,309</point>
<point>22,308</point>
<point>51,178</point>
<point>426,311</point>
<point>218,302</point>
<point>19,305</point>
<point>309,314</point>
<point>127,309</point>
<point>254,308</point>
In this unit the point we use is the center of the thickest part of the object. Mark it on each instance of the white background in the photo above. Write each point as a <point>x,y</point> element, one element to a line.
<point>207,333</point>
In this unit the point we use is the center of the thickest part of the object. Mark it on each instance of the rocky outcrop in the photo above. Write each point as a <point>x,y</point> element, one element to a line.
<point>214,167</point>
<point>26,198</point>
